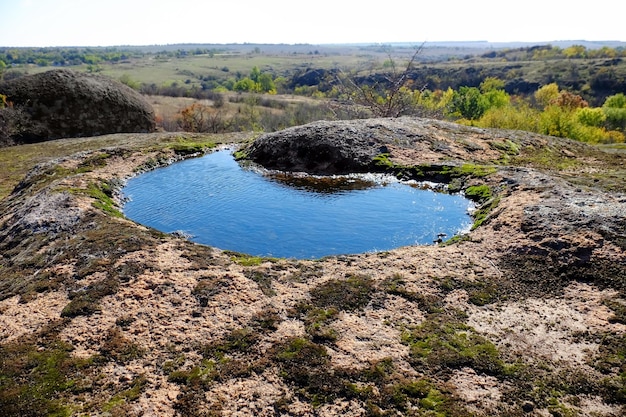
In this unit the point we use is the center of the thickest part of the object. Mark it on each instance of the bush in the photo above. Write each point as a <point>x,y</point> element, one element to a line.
<point>520,117</point>
<point>200,118</point>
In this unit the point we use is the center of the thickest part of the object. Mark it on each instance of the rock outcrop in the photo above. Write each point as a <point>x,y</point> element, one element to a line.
<point>524,315</point>
<point>64,103</point>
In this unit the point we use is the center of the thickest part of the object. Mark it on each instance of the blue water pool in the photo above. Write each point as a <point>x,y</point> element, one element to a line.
<point>219,203</point>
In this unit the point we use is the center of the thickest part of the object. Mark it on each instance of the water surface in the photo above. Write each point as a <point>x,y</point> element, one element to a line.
<point>219,203</point>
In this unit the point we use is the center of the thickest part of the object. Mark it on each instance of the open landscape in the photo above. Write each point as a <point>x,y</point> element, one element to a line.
<point>523,315</point>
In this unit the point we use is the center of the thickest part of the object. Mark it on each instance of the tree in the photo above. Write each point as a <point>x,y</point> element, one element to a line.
<point>570,101</point>
<point>389,95</point>
<point>468,103</point>
<point>255,73</point>
<point>266,83</point>
<point>546,94</point>
<point>493,90</point>
<point>591,116</point>
<point>614,108</point>
<point>200,118</point>
<point>617,101</point>
<point>245,85</point>
<point>575,51</point>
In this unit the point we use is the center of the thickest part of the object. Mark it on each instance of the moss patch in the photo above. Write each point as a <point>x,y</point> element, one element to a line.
<point>349,294</point>
<point>444,343</point>
<point>478,193</point>
<point>37,375</point>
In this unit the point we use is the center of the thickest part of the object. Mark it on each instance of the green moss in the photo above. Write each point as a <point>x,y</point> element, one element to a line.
<point>102,193</point>
<point>92,162</point>
<point>472,170</point>
<point>507,146</point>
<point>611,361</point>
<point>478,192</point>
<point>482,214</point>
<point>441,173</point>
<point>382,160</point>
<point>546,157</point>
<point>317,323</point>
<point>349,294</point>
<point>306,365</point>
<point>442,343</point>
<point>241,154</point>
<point>238,340</point>
<point>185,148</point>
<point>248,260</point>
<point>126,396</point>
<point>619,311</point>
<point>201,375</point>
<point>36,377</point>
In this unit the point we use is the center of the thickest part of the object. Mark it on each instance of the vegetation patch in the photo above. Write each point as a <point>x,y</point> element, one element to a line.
<point>85,302</point>
<point>431,303</point>
<point>263,279</point>
<point>619,310</point>
<point>478,193</point>
<point>349,294</point>
<point>200,256</point>
<point>507,146</point>
<point>248,260</point>
<point>479,292</point>
<point>92,162</point>
<point>317,322</point>
<point>37,374</point>
<point>208,287</point>
<point>307,365</point>
<point>444,343</point>
<point>187,148</point>
<point>117,403</point>
<point>119,348</point>
<point>103,195</point>
<point>482,213</point>
<point>610,361</point>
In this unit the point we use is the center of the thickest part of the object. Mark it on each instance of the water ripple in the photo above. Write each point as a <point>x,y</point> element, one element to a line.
<point>222,204</point>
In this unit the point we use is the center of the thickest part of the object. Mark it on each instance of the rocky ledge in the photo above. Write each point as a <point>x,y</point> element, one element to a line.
<point>524,315</point>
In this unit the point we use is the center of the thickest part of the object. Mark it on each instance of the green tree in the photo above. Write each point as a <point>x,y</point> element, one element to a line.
<point>266,83</point>
<point>591,116</point>
<point>493,90</point>
<point>468,103</point>
<point>614,108</point>
<point>245,85</point>
<point>617,101</point>
<point>255,74</point>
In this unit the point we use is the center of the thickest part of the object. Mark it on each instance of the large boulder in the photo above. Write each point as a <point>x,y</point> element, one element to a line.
<point>64,103</point>
<point>319,148</point>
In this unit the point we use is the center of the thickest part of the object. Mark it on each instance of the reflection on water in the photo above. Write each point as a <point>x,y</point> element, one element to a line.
<point>221,204</point>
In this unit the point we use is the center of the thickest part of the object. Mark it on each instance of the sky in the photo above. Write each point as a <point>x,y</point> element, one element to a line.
<point>157,22</point>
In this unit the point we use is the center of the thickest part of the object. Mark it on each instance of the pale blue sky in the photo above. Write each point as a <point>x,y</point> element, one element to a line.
<point>143,22</point>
